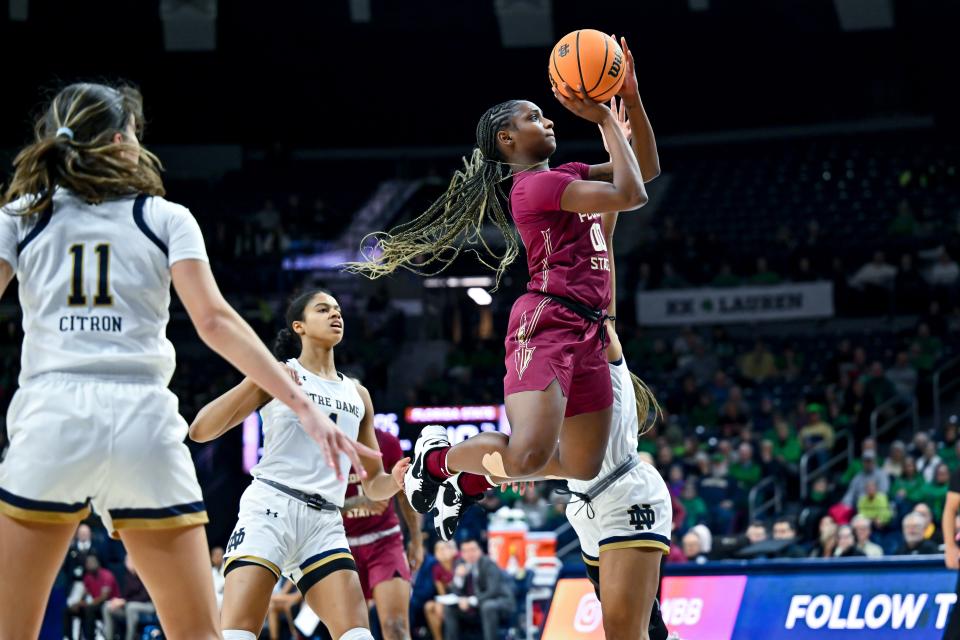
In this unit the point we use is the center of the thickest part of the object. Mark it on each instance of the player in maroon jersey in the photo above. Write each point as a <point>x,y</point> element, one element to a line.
<point>557,386</point>
<point>375,538</point>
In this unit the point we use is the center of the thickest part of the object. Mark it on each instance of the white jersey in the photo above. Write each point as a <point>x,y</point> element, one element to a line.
<point>290,456</point>
<point>95,284</point>
<point>624,429</point>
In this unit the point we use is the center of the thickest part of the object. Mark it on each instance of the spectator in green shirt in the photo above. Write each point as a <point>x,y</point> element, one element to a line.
<point>786,444</point>
<point>925,349</point>
<point>697,510</point>
<point>878,386</point>
<point>936,491</point>
<point>726,278</point>
<point>875,506</point>
<point>904,223</point>
<point>705,412</point>
<point>745,471</point>
<point>764,276</point>
<point>951,455</point>
<point>910,488</point>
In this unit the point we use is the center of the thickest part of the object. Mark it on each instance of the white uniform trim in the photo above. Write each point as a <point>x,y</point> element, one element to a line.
<point>290,456</point>
<point>636,510</point>
<point>94,284</point>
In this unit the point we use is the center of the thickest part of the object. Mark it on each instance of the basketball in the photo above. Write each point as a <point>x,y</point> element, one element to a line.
<point>588,58</point>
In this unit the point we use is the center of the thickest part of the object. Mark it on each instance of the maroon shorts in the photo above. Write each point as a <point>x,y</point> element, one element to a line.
<point>546,342</point>
<point>379,561</point>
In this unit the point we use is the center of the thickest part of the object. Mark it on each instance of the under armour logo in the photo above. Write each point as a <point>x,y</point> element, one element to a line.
<point>642,516</point>
<point>236,539</point>
<point>564,50</point>
<point>272,513</point>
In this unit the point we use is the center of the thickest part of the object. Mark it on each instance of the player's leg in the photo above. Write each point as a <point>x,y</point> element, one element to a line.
<point>31,553</point>
<point>580,419</point>
<point>528,449</point>
<point>392,598</point>
<point>629,578</point>
<point>388,581</point>
<point>174,565</point>
<point>337,599</point>
<point>433,612</point>
<point>246,598</point>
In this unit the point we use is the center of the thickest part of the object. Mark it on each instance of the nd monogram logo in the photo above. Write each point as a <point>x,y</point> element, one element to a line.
<point>564,50</point>
<point>236,539</point>
<point>642,516</point>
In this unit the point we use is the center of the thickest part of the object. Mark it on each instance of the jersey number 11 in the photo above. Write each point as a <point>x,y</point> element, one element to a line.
<point>77,298</point>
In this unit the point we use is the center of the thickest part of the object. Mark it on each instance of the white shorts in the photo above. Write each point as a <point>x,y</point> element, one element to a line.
<point>287,537</point>
<point>635,511</point>
<point>77,442</point>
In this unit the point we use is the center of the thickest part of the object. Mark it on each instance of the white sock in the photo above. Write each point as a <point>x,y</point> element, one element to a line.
<point>358,633</point>
<point>238,634</point>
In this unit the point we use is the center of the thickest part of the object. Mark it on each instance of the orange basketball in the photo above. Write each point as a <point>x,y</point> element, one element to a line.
<point>590,59</point>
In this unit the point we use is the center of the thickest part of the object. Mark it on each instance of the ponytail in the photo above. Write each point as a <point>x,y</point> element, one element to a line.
<point>646,401</point>
<point>286,345</point>
<point>73,148</point>
<point>429,243</point>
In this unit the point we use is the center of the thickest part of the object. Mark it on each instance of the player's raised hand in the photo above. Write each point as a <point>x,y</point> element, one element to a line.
<point>333,441</point>
<point>630,88</point>
<point>581,105</point>
<point>620,115</point>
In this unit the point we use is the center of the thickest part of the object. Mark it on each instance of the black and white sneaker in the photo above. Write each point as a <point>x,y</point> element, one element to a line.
<point>449,508</point>
<point>418,485</point>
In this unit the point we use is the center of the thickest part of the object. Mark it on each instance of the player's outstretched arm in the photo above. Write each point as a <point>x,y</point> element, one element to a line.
<point>224,331</point>
<point>614,349</point>
<point>227,411</point>
<point>626,191</point>
<point>6,275</point>
<point>643,141</point>
<point>378,484</point>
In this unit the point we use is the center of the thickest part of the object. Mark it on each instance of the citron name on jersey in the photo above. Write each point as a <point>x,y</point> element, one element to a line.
<point>334,403</point>
<point>101,324</point>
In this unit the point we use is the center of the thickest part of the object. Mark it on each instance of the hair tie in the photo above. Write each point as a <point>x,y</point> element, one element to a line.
<point>65,131</point>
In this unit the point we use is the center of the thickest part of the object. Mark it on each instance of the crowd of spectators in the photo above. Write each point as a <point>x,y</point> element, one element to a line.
<point>873,287</point>
<point>99,591</point>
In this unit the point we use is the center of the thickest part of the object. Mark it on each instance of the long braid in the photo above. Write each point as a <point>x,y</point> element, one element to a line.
<point>646,400</point>
<point>429,243</point>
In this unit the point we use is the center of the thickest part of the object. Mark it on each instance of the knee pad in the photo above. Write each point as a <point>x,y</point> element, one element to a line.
<point>238,634</point>
<point>358,633</point>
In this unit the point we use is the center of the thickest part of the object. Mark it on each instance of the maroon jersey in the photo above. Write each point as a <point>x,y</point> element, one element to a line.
<point>566,251</point>
<point>358,522</point>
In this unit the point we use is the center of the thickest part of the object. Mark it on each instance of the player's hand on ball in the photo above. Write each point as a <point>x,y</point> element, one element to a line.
<point>399,470</point>
<point>579,104</point>
<point>630,89</point>
<point>333,442</point>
